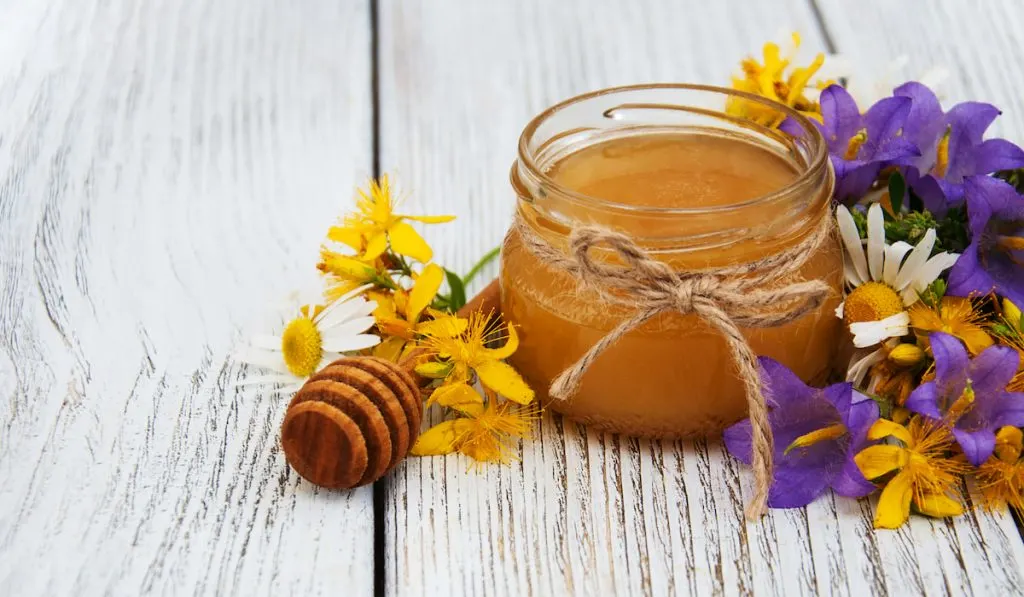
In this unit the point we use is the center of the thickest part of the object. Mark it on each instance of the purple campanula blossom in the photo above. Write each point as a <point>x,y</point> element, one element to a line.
<point>817,432</point>
<point>860,145</point>
<point>951,146</point>
<point>994,261</point>
<point>970,394</point>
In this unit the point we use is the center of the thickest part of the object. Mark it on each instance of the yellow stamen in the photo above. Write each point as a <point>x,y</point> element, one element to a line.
<point>942,155</point>
<point>962,404</point>
<point>1011,243</point>
<point>855,144</point>
<point>871,301</point>
<point>831,432</point>
<point>301,347</point>
<point>906,355</point>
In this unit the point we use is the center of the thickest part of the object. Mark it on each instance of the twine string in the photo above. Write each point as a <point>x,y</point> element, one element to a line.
<point>758,294</point>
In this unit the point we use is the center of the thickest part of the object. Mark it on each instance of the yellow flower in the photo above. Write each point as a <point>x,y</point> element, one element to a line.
<point>347,273</point>
<point>770,80</point>
<point>375,225</point>
<point>460,352</point>
<point>486,436</point>
<point>1001,477</point>
<point>1012,315</point>
<point>1012,335</point>
<point>925,475</point>
<point>956,316</point>
<point>398,312</point>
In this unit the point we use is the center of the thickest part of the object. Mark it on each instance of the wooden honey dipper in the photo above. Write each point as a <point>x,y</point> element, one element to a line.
<point>356,419</point>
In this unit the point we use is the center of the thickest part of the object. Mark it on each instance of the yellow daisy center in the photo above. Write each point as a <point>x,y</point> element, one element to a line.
<point>301,347</point>
<point>871,301</point>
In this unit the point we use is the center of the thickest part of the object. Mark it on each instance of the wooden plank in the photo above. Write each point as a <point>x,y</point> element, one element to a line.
<point>979,45</point>
<point>166,169</point>
<point>586,513</point>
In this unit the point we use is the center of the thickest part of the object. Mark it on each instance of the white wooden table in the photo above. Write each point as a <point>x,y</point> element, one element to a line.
<point>166,170</point>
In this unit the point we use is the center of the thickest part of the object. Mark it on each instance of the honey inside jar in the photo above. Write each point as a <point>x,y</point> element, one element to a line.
<point>693,197</point>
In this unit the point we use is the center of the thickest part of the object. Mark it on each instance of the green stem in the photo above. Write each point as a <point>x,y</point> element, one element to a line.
<point>489,257</point>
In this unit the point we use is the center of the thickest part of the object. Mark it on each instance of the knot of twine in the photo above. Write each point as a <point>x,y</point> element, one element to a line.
<point>760,294</point>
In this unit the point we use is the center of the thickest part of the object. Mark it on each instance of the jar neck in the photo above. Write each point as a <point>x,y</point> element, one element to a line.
<point>713,233</point>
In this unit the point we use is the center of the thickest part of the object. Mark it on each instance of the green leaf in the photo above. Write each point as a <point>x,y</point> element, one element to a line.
<point>897,188</point>
<point>457,297</point>
<point>473,271</point>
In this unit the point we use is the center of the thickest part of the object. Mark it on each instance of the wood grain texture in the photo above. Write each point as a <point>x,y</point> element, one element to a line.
<point>586,513</point>
<point>158,161</point>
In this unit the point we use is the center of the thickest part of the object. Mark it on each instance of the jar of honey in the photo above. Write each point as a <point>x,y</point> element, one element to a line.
<point>696,187</point>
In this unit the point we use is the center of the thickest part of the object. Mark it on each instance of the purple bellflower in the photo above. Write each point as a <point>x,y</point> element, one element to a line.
<point>860,145</point>
<point>994,261</point>
<point>951,147</point>
<point>817,432</point>
<point>970,394</point>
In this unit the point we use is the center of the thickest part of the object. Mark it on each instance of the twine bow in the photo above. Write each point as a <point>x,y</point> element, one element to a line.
<point>758,294</point>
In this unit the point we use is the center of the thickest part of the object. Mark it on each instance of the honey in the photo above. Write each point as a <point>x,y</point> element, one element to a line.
<point>699,194</point>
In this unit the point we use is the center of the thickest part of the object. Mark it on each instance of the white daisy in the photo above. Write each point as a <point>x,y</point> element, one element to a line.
<point>310,337</point>
<point>883,284</point>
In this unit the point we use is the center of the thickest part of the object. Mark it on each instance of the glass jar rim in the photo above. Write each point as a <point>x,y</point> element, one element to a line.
<point>818,159</point>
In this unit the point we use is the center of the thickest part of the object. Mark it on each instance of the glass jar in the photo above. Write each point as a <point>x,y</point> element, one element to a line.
<point>673,376</point>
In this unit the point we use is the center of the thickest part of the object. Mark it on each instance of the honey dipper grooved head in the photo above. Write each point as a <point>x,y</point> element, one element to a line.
<point>352,422</point>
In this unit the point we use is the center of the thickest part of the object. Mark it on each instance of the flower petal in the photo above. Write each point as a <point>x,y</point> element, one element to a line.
<point>884,428</point>
<point>850,481</point>
<point>894,503</point>
<point>937,505</point>
<point>992,370</point>
<point>918,257</point>
<point>443,438</point>
<point>376,245</point>
<point>876,241</point>
<point>434,369</point>
<point>350,343</point>
<point>997,154</point>
<point>346,235</point>
<point>443,327</point>
<point>928,273</point>
<point>428,219</point>
<point>423,291</point>
<point>875,461</point>
<point>510,346</point>
<point>852,244</point>
<point>460,396</point>
<point>406,241</point>
<point>870,333</point>
<point>951,365</point>
<point>894,255</point>
<point>503,379</point>
<point>925,400</point>
<point>977,445</point>
<point>796,486</point>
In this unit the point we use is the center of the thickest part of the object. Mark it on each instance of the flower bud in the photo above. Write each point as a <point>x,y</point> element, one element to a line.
<point>1012,314</point>
<point>906,355</point>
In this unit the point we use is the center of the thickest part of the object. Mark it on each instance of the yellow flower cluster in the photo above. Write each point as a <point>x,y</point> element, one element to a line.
<point>418,325</point>
<point>778,80</point>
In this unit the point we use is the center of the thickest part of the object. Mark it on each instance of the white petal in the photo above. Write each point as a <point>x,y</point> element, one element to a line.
<point>266,341</point>
<point>859,366</point>
<point>851,241</point>
<point>876,241</point>
<point>350,343</point>
<point>839,310</point>
<point>932,269</point>
<point>339,311</point>
<point>347,329</point>
<point>261,358</point>
<point>917,258</point>
<point>869,333</point>
<point>894,255</point>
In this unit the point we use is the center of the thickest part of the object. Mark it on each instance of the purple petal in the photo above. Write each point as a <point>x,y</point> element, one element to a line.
<point>925,120</point>
<point>989,197</point>
<point>792,127</point>
<point>925,400</point>
<point>850,482</point>
<point>737,439</point>
<point>969,121</point>
<point>997,154</point>
<point>992,370</point>
<point>861,416</point>
<point>796,486</point>
<point>840,396</point>
<point>841,116</point>
<point>932,195</point>
<point>967,276</point>
<point>853,179</point>
<point>894,150</point>
<point>1006,276</point>
<point>1012,411</point>
<point>782,387</point>
<point>951,366</point>
<point>977,445</point>
<point>883,122</point>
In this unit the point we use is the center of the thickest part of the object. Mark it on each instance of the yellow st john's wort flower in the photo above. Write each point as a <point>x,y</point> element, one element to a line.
<point>458,354</point>
<point>1012,335</point>
<point>1001,477</point>
<point>370,229</point>
<point>313,336</point>
<point>770,80</point>
<point>346,273</point>
<point>957,316</point>
<point>486,436</point>
<point>925,474</point>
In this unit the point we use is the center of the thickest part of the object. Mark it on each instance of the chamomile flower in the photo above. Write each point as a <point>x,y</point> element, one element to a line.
<point>310,336</point>
<point>883,279</point>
